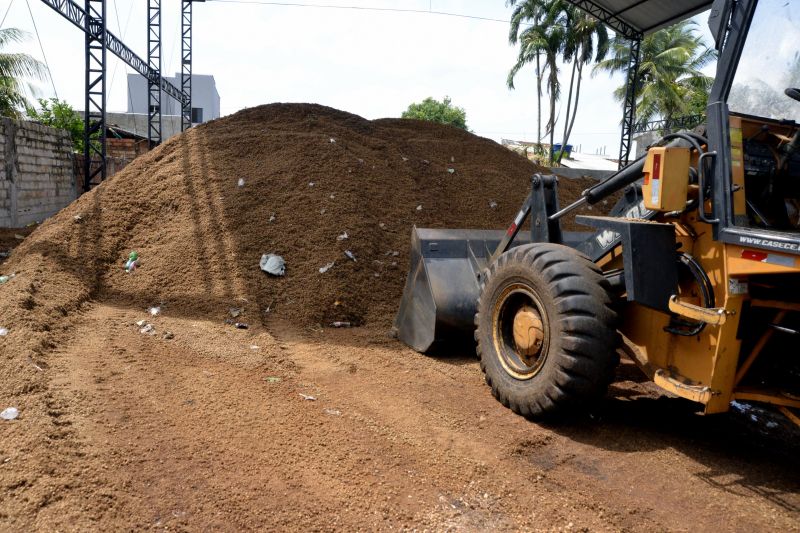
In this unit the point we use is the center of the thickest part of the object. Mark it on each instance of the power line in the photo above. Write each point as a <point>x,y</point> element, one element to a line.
<point>7,10</point>
<point>38,38</point>
<point>362,8</point>
<point>122,36</point>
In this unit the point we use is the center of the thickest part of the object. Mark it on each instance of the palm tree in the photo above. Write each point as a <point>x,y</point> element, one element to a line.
<point>555,29</point>
<point>670,81</point>
<point>586,41</point>
<point>541,43</point>
<point>14,69</point>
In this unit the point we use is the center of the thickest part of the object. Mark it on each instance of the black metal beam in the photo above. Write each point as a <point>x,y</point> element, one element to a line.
<point>75,14</point>
<point>186,64</point>
<point>612,20</point>
<point>629,106</point>
<point>94,135</point>
<point>154,62</point>
<point>685,122</point>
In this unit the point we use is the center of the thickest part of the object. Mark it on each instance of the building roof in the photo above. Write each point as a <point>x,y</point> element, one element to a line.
<point>115,132</point>
<point>637,18</point>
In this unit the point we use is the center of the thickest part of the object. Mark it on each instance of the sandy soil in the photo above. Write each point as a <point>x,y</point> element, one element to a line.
<point>209,430</point>
<point>211,427</point>
<point>10,238</point>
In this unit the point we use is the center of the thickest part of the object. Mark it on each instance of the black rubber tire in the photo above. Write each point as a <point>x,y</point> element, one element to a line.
<point>579,355</point>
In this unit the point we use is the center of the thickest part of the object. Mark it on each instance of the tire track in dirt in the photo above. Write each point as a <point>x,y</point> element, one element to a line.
<point>188,434</point>
<point>630,478</point>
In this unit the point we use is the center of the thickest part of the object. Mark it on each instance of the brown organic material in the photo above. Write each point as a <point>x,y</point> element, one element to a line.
<point>200,236</point>
<point>201,426</point>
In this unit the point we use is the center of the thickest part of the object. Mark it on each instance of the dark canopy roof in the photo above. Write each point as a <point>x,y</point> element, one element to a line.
<point>636,18</point>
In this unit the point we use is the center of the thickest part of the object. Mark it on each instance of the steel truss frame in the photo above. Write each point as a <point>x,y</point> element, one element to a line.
<point>154,63</point>
<point>91,19</point>
<point>94,131</point>
<point>629,106</point>
<point>186,64</point>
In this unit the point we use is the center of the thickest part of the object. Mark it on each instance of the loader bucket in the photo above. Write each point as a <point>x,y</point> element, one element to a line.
<point>441,292</point>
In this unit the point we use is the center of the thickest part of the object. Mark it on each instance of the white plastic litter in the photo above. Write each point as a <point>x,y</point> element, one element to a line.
<point>148,329</point>
<point>492,204</point>
<point>343,237</point>
<point>419,207</point>
<point>333,141</point>
<point>272,217</point>
<point>240,183</point>
<point>3,332</point>
<point>308,397</point>
<point>141,323</point>
<point>273,264</point>
<point>310,183</point>
<point>155,310</point>
<point>350,255</point>
<point>327,267</point>
<point>9,413</point>
<point>451,170</point>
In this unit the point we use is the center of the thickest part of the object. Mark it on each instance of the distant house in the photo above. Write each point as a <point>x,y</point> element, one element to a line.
<point>205,106</point>
<point>205,98</point>
<point>125,144</point>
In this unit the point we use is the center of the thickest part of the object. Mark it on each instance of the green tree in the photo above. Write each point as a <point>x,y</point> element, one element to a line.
<point>59,114</point>
<point>540,42</point>
<point>532,46</point>
<point>15,71</point>
<point>670,82</point>
<point>555,30</point>
<point>586,40</point>
<point>433,110</point>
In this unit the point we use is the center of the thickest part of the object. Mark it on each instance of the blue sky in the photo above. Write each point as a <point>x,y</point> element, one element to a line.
<point>367,62</point>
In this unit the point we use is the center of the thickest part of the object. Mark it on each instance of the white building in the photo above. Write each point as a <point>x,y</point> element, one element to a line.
<point>205,98</point>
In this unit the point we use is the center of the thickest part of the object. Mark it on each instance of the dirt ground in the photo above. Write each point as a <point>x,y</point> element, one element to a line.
<point>10,238</point>
<point>289,425</point>
<point>209,430</point>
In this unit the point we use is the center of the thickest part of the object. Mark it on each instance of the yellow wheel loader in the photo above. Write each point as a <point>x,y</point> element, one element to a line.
<point>694,274</point>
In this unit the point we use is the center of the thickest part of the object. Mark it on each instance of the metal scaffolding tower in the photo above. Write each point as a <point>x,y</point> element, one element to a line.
<point>186,63</point>
<point>92,21</point>
<point>154,62</point>
<point>94,134</point>
<point>629,106</point>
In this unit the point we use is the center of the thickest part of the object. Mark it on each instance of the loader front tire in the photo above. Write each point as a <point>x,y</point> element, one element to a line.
<point>545,330</point>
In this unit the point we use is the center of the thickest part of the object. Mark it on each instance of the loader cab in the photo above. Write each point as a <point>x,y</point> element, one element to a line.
<point>753,116</point>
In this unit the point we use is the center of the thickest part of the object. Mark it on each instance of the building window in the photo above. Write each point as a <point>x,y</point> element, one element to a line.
<point>197,115</point>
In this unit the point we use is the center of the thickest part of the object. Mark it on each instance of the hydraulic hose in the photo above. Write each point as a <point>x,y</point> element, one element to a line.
<point>629,174</point>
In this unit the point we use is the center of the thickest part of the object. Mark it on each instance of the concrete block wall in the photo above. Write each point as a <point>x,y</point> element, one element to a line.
<point>36,177</point>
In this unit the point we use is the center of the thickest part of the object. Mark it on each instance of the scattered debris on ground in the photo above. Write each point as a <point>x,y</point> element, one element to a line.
<point>174,206</point>
<point>421,444</point>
